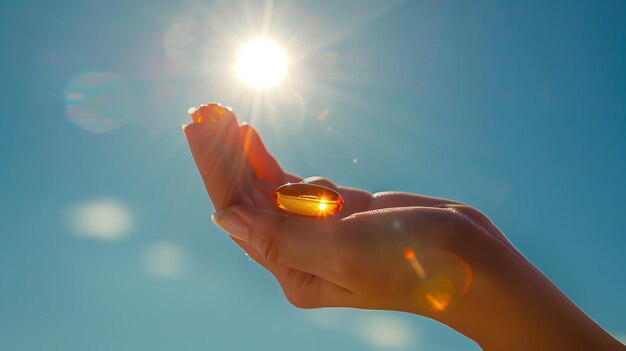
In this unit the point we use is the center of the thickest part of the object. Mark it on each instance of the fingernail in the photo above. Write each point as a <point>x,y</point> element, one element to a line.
<point>232,224</point>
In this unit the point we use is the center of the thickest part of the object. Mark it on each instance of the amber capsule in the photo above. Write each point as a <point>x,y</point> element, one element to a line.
<point>212,112</point>
<point>308,199</point>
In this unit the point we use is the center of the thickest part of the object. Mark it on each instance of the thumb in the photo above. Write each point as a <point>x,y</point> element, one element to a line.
<point>310,245</point>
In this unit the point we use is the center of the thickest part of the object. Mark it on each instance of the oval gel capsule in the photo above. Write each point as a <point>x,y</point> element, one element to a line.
<point>308,199</point>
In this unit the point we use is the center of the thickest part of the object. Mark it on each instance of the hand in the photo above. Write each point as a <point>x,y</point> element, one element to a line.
<point>392,251</point>
<point>237,169</point>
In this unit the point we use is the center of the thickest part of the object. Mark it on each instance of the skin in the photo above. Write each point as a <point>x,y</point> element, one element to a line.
<point>390,251</point>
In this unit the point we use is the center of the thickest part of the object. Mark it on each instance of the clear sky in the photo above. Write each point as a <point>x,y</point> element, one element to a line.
<point>106,243</point>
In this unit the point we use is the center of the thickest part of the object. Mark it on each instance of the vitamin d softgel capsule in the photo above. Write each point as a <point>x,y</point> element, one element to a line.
<point>207,113</point>
<point>308,199</point>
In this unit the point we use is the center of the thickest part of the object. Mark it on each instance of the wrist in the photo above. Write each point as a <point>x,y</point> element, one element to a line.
<point>524,310</point>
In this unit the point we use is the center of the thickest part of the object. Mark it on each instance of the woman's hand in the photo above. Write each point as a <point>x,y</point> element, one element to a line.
<point>392,251</point>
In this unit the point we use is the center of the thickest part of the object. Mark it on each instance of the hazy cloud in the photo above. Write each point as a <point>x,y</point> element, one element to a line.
<point>104,219</point>
<point>379,329</point>
<point>164,259</point>
<point>385,331</point>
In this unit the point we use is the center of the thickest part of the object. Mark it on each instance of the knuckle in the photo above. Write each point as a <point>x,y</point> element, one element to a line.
<point>472,215</point>
<point>268,242</point>
<point>466,209</point>
<point>268,248</point>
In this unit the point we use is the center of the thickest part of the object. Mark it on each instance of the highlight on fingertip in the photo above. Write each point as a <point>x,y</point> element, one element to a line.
<point>208,113</point>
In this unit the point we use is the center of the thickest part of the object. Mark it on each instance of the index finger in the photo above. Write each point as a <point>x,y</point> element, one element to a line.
<point>217,150</point>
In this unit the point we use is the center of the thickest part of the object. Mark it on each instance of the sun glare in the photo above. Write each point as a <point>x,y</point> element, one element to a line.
<point>323,206</point>
<point>261,64</point>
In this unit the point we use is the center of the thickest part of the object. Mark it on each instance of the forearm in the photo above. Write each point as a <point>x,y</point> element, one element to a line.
<point>519,308</point>
<point>553,322</point>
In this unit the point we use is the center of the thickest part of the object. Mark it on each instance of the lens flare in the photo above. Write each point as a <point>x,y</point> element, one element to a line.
<point>181,39</point>
<point>98,102</point>
<point>438,301</point>
<point>261,64</point>
<point>443,278</point>
<point>417,266</point>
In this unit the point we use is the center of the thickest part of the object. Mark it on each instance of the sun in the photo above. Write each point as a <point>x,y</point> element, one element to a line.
<point>261,64</point>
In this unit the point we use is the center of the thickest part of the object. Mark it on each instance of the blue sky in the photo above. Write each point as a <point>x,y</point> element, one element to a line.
<point>518,109</point>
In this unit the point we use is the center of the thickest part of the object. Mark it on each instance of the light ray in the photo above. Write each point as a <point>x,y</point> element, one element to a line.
<point>417,266</point>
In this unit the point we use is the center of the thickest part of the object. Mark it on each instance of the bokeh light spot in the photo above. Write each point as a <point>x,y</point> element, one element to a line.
<point>386,332</point>
<point>104,219</point>
<point>181,39</point>
<point>409,255</point>
<point>164,259</point>
<point>443,277</point>
<point>323,114</point>
<point>98,102</point>
<point>438,301</point>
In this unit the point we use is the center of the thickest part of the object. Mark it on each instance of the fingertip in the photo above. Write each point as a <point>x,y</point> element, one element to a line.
<point>199,131</point>
<point>207,113</point>
<point>231,223</point>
